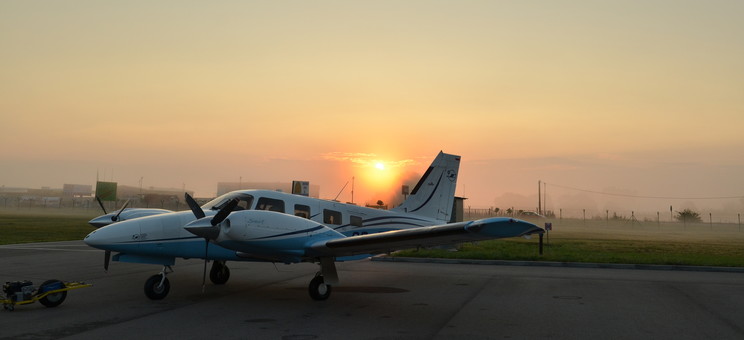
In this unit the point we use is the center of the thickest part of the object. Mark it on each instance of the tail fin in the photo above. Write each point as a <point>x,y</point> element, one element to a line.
<point>434,194</point>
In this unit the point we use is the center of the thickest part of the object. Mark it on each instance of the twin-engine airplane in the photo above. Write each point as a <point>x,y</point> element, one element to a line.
<point>259,225</point>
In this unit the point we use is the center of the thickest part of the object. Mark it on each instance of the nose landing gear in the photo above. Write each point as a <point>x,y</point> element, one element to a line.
<point>157,286</point>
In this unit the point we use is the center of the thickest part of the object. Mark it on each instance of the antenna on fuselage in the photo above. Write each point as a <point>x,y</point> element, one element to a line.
<point>342,190</point>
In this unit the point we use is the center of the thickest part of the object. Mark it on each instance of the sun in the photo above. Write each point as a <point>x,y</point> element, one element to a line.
<point>380,166</point>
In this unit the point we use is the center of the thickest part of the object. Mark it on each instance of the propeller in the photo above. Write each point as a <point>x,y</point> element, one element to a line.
<point>106,260</point>
<point>210,232</point>
<point>101,204</point>
<point>107,254</point>
<point>195,208</point>
<point>116,217</point>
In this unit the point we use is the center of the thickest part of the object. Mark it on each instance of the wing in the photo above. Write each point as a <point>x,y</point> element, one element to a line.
<point>490,228</point>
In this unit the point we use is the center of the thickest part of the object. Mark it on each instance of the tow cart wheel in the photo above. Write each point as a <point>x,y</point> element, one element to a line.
<point>318,290</point>
<point>54,299</point>
<point>154,290</point>
<point>219,274</point>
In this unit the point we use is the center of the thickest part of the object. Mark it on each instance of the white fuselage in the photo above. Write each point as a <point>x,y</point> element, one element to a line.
<point>163,236</point>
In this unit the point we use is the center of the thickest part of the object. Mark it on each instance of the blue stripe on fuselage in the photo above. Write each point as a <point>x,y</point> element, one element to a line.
<point>289,233</point>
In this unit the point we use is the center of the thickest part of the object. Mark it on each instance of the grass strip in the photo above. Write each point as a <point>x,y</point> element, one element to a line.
<point>24,228</point>
<point>595,251</point>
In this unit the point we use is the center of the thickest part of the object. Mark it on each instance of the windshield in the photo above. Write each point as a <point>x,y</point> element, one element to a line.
<point>219,202</point>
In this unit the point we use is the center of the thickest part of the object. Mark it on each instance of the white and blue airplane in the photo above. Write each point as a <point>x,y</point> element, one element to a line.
<point>270,226</point>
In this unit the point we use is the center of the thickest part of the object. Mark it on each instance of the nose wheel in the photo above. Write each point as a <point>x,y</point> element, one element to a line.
<point>157,286</point>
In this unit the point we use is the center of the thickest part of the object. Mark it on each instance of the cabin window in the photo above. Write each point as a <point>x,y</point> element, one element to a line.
<point>302,211</point>
<point>355,221</point>
<point>270,204</point>
<point>331,217</point>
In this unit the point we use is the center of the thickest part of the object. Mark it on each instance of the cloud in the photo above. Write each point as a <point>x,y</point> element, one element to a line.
<point>366,159</point>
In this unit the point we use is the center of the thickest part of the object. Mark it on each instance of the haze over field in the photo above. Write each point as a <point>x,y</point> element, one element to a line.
<point>638,98</point>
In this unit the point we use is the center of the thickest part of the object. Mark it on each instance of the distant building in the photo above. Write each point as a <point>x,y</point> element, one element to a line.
<point>77,190</point>
<point>12,190</point>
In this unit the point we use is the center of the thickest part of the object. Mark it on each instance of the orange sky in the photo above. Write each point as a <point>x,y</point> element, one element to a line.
<point>645,97</point>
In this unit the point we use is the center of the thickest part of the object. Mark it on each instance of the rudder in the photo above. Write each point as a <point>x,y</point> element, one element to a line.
<point>434,194</point>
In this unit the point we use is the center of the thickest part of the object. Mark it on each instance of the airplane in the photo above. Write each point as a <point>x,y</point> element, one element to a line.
<point>272,226</point>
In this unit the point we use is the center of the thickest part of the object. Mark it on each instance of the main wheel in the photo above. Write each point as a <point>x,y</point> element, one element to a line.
<point>54,299</point>
<point>318,290</point>
<point>154,290</point>
<point>219,274</point>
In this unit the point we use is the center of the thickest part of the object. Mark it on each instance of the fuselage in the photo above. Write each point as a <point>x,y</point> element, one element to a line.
<point>163,235</point>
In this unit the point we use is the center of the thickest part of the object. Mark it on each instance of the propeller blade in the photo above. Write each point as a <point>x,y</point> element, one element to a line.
<point>106,260</point>
<point>195,208</point>
<point>101,204</point>
<point>225,211</point>
<point>116,217</point>
<point>204,274</point>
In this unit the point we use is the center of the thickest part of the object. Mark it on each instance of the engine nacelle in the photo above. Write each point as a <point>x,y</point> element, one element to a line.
<point>253,230</point>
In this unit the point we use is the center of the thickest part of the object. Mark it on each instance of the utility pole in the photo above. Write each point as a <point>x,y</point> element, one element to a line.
<point>539,197</point>
<point>584,216</point>
<point>671,214</point>
<point>545,197</point>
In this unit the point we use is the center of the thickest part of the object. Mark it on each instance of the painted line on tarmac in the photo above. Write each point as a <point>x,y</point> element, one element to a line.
<point>386,258</point>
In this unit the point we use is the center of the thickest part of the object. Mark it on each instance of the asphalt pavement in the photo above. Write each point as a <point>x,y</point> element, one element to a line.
<point>375,300</point>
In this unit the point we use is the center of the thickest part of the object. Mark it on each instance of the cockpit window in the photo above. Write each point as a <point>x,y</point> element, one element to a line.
<point>217,203</point>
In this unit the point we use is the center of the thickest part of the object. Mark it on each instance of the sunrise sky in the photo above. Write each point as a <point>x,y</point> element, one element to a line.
<point>641,98</point>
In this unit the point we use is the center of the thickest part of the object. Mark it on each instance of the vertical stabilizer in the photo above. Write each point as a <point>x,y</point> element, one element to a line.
<point>434,194</point>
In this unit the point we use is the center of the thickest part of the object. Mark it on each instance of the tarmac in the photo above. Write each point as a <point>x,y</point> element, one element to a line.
<point>375,300</point>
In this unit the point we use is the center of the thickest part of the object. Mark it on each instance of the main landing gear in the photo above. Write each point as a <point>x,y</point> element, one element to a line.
<point>320,285</point>
<point>219,274</point>
<point>158,286</point>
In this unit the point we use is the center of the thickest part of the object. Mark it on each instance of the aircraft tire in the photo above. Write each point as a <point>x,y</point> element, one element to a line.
<point>318,290</point>
<point>55,299</point>
<point>219,274</point>
<point>153,290</point>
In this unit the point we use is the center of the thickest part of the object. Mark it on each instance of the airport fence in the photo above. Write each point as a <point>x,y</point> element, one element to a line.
<point>85,204</point>
<point>631,220</point>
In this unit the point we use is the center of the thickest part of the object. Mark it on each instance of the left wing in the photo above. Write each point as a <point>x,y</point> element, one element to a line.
<point>489,228</point>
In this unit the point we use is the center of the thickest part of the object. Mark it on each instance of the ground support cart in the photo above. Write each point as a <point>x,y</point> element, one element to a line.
<point>51,293</point>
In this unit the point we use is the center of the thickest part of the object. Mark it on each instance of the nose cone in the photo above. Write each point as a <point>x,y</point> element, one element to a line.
<point>203,228</point>
<point>102,221</point>
<point>93,239</point>
<point>113,235</point>
<point>97,238</point>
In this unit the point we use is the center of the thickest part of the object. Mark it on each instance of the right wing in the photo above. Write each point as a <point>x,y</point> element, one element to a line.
<point>489,228</point>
